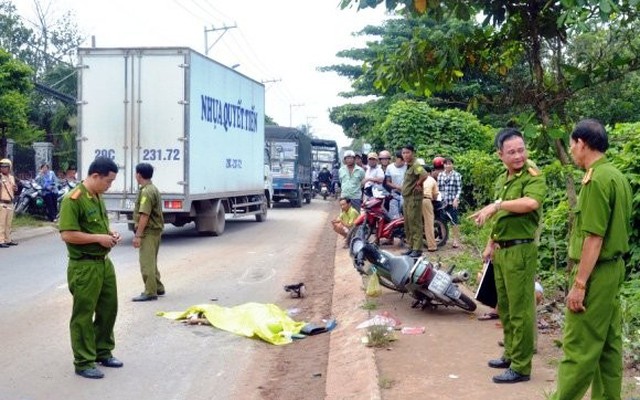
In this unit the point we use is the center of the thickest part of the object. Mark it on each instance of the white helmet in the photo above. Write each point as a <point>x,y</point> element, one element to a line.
<point>349,153</point>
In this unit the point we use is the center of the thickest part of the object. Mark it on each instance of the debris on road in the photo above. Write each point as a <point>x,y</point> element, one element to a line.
<point>412,330</point>
<point>296,290</point>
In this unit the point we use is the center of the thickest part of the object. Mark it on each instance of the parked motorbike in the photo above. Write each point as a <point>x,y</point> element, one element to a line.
<point>426,282</point>
<point>31,199</point>
<point>64,188</point>
<point>376,221</point>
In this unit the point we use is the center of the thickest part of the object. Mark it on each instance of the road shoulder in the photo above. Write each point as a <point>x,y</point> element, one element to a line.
<point>351,372</point>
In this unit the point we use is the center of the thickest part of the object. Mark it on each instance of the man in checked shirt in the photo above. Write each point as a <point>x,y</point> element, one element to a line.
<point>450,185</point>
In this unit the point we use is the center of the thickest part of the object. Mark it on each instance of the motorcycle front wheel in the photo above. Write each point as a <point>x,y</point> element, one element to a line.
<point>464,302</point>
<point>21,207</point>
<point>441,232</point>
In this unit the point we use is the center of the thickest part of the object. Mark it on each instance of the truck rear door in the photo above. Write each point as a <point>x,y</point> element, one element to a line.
<point>133,110</point>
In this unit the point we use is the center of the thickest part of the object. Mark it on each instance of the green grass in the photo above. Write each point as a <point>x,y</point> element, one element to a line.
<point>369,305</point>
<point>27,221</point>
<point>385,383</point>
<point>379,336</point>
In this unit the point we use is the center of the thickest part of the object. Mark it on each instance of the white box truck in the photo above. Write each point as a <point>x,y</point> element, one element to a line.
<point>199,123</point>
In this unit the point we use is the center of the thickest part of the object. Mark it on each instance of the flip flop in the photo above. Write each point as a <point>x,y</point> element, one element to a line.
<point>488,316</point>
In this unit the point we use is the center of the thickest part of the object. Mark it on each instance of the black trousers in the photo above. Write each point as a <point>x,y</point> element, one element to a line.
<point>51,203</point>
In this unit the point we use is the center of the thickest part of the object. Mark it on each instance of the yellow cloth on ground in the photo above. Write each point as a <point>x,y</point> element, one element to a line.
<point>266,321</point>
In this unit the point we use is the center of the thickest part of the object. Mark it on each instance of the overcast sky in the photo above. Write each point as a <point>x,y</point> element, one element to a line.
<point>275,40</point>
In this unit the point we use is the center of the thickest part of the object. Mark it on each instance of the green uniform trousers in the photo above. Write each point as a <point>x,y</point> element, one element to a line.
<point>92,284</point>
<point>413,225</point>
<point>592,341</point>
<point>149,246</point>
<point>515,269</point>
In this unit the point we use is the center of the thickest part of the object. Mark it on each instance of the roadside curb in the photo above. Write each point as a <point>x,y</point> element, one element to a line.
<point>26,233</point>
<point>351,370</point>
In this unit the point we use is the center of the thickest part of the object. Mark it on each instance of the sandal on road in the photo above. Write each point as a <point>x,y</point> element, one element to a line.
<point>488,316</point>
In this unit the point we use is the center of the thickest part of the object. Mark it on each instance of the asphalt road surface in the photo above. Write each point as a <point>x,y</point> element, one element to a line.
<point>163,359</point>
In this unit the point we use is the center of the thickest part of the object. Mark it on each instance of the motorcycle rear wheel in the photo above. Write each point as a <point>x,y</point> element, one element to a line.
<point>464,302</point>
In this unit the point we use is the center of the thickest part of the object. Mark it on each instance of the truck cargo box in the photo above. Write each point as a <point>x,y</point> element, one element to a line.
<point>199,123</point>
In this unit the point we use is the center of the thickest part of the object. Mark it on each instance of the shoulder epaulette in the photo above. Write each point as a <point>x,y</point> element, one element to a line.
<point>533,171</point>
<point>587,177</point>
<point>75,194</point>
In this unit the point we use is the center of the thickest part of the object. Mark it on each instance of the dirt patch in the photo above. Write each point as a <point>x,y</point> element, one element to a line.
<point>298,370</point>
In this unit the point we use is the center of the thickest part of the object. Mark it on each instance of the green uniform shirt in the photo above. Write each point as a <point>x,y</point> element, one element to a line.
<point>529,182</point>
<point>413,174</point>
<point>149,202</point>
<point>83,212</point>
<point>603,209</point>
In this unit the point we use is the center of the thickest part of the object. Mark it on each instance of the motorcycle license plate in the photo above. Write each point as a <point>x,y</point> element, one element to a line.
<point>440,282</point>
<point>453,292</point>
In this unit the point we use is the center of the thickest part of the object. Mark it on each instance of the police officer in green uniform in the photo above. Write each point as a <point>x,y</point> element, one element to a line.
<point>516,215</point>
<point>412,198</point>
<point>84,227</point>
<point>149,223</point>
<point>592,342</point>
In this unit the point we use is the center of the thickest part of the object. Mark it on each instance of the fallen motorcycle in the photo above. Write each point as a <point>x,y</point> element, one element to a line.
<point>426,282</point>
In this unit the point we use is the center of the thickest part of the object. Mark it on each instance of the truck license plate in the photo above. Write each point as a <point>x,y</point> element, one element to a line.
<point>128,204</point>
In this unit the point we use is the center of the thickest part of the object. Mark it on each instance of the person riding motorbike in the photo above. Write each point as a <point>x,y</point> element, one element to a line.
<point>325,177</point>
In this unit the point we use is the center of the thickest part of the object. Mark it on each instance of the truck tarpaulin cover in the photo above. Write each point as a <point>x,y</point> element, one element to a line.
<point>279,133</point>
<point>266,321</point>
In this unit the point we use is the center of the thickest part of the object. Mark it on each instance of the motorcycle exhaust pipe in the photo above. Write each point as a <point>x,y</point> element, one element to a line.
<point>460,276</point>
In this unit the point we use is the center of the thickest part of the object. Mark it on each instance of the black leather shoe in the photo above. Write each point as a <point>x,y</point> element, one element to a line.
<point>3,245</point>
<point>406,253</point>
<point>161,292</point>
<point>415,254</point>
<point>12,243</point>
<point>91,373</point>
<point>510,376</point>
<point>144,297</point>
<point>499,363</point>
<point>110,362</point>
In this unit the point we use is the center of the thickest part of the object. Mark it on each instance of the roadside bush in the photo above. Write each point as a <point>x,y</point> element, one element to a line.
<point>433,132</point>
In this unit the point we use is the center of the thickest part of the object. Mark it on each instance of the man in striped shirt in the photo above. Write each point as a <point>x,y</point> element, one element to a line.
<point>450,185</point>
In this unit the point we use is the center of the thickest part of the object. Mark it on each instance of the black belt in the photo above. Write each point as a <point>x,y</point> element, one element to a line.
<point>509,243</point>
<point>90,257</point>
<point>6,201</point>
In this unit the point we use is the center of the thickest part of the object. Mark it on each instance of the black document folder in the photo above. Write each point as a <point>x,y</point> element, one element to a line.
<point>487,293</point>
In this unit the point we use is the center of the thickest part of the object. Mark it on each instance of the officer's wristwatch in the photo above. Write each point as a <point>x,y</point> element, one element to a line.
<point>498,204</point>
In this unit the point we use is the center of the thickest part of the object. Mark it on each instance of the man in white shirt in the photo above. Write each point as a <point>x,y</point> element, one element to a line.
<point>394,177</point>
<point>373,177</point>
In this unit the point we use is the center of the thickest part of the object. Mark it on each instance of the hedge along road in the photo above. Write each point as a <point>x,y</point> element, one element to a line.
<point>162,359</point>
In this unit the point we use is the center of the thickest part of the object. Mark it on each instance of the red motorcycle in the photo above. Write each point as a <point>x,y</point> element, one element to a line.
<point>374,220</point>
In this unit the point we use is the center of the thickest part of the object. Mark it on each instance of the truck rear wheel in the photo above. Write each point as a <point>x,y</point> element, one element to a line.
<point>298,202</point>
<point>262,216</point>
<point>211,218</point>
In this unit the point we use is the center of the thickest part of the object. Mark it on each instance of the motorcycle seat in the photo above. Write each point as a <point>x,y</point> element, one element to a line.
<point>400,267</point>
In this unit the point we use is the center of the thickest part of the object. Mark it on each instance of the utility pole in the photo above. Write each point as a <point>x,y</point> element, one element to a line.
<point>224,30</point>
<point>291,112</point>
